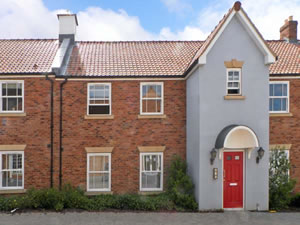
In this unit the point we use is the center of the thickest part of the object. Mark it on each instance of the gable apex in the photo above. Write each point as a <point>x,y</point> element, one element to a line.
<point>252,31</point>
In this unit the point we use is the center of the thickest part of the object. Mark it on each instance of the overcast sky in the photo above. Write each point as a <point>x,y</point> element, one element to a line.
<point>116,20</point>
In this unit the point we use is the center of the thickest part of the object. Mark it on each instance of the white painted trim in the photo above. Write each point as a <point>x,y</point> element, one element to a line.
<point>26,76</point>
<point>244,179</point>
<point>202,58</point>
<point>192,71</point>
<point>23,96</point>
<point>269,57</point>
<point>162,171</point>
<point>162,97</point>
<point>288,96</point>
<point>240,80</point>
<point>242,128</point>
<point>23,170</point>
<point>88,98</point>
<point>285,77</point>
<point>120,79</point>
<point>87,172</point>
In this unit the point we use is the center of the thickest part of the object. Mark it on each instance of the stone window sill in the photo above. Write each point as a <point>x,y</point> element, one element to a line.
<point>234,97</point>
<point>150,192</point>
<point>93,193</point>
<point>99,117</point>
<point>12,114</point>
<point>13,191</point>
<point>152,116</point>
<point>281,114</point>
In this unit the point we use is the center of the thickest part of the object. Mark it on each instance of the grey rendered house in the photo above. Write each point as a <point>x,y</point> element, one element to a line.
<point>228,117</point>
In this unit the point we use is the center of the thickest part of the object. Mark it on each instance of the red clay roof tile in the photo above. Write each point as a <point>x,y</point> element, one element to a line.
<point>27,55</point>
<point>143,58</point>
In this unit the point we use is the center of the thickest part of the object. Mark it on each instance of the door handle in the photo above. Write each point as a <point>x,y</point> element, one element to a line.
<point>233,184</point>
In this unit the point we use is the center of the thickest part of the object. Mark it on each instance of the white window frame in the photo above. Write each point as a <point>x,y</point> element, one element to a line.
<point>161,171</point>
<point>11,152</point>
<point>88,171</point>
<point>287,97</point>
<point>239,81</point>
<point>161,98</point>
<point>88,99</point>
<point>1,97</point>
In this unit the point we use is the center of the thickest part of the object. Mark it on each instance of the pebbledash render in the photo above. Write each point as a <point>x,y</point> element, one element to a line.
<point>109,117</point>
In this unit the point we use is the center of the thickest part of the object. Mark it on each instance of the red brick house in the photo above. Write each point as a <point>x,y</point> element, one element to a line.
<point>109,116</point>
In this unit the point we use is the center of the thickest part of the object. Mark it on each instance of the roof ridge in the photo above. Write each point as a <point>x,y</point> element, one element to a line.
<point>145,41</point>
<point>28,39</point>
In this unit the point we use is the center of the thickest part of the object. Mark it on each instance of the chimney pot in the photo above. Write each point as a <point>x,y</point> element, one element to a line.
<point>288,31</point>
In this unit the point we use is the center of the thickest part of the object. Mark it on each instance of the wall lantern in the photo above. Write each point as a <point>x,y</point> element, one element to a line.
<point>213,155</point>
<point>260,154</point>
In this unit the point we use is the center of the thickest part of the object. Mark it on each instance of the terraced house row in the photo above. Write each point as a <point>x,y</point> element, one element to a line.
<point>109,116</point>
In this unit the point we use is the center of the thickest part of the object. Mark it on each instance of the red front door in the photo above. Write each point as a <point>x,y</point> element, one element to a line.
<point>233,180</point>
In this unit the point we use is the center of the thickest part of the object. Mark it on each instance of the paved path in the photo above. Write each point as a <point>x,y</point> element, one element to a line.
<point>93,218</point>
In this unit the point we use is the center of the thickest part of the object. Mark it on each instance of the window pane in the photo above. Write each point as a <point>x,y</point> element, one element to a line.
<point>284,89</point>
<point>20,179</point>
<point>19,89</point>
<point>92,93</point>
<point>20,104</point>
<point>271,92</point>
<point>151,106</point>
<point>99,94</point>
<point>277,89</point>
<point>100,101</point>
<point>236,75</point>
<point>99,87</point>
<point>101,110</point>
<point>155,163</point>
<point>11,89</point>
<point>99,163</point>
<point>276,104</point>
<point>158,91</point>
<point>92,87</point>
<point>4,162</point>
<point>12,104</point>
<point>11,178</point>
<point>270,104</point>
<point>4,89</point>
<point>106,91</point>
<point>151,180</point>
<point>151,91</point>
<point>235,84</point>
<point>146,163</point>
<point>145,90</point>
<point>233,91</point>
<point>284,106</point>
<point>98,180</point>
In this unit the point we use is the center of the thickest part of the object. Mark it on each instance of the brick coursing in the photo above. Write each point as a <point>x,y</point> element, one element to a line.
<point>125,132</point>
<point>32,130</point>
<point>286,130</point>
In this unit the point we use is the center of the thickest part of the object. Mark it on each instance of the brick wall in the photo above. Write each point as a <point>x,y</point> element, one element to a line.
<point>32,130</point>
<point>125,132</point>
<point>286,130</point>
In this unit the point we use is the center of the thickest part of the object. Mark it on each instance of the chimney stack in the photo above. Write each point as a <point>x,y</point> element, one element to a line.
<point>288,31</point>
<point>67,26</point>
